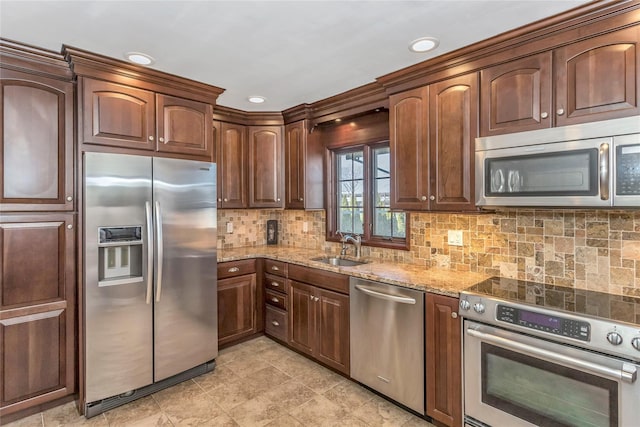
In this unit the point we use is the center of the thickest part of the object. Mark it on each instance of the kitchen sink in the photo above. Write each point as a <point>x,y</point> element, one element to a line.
<point>342,262</point>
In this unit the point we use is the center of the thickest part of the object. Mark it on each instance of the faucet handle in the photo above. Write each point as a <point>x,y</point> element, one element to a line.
<point>342,236</point>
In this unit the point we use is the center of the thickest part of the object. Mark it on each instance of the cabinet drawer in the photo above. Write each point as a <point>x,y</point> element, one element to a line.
<point>236,268</point>
<point>275,283</point>
<point>278,268</point>
<point>276,299</point>
<point>276,323</point>
<point>324,279</point>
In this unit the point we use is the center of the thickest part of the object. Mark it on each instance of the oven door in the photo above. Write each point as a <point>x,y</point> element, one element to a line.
<point>514,380</point>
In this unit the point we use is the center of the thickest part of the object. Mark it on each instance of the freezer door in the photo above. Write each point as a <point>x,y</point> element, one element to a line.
<point>117,318</point>
<point>185,314</point>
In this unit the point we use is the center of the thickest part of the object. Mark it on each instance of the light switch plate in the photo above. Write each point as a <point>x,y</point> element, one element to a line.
<point>455,237</point>
<point>229,227</point>
<point>305,226</point>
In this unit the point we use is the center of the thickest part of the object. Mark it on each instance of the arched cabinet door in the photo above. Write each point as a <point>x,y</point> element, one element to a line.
<point>266,175</point>
<point>36,143</point>
<point>184,126</point>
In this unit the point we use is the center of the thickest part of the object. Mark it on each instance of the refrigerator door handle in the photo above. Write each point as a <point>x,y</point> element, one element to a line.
<point>160,250</point>
<point>149,218</point>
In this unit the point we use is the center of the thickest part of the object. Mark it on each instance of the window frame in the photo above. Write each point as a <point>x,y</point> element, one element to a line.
<point>368,239</point>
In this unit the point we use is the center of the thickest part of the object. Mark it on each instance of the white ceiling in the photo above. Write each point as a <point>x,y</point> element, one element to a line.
<point>290,52</point>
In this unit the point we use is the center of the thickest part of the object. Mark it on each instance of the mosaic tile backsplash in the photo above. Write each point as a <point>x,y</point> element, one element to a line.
<point>587,249</point>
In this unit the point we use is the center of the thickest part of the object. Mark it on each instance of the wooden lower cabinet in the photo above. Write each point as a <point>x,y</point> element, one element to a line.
<point>37,310</point>
<point>443,360</point>
<point>319,324</point>
<point>237,301</point>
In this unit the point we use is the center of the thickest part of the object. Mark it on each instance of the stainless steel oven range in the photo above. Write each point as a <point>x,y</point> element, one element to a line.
<point>542,355</point>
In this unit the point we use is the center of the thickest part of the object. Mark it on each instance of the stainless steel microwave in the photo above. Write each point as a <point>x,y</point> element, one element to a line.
<point>588,165</point>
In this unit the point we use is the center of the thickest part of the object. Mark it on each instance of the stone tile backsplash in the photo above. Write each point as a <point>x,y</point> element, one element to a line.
<point>591,249</point>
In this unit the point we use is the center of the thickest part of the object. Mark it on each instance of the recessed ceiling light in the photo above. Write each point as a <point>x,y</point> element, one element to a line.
<point>424,44</point>
<point>257,99</point>
<point>139,58</point>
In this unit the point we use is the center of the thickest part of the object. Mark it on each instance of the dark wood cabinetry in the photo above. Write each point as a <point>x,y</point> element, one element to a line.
<point>265,167</point>
<point>433,130</point>
<point>232,165</point>
<point>276,300</point>
<point>123,116</point>
<point>319,317</point>
<point>36,145</point>
<point>443,360</point>
<point>237,301</point>
<point>37,309</point>
<point>304,176</point>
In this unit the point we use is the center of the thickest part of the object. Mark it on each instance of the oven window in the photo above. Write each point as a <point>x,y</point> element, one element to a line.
<point>544,393</point>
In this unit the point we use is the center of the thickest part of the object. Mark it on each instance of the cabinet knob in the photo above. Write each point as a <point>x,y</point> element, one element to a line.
<point>278,199</point>
<point>233,270</point>
<point>69,199</point>
<point>150,137</point>
<point>226,200</point>
<point>544,115</point>
<point>70,226</point>
<point>301,199</point>
<point>454,315</point>
<point>275,323</point>
<point>161,139</point>
<point>316,299</point>
<point>275,268</point>
<point>274,299</point>
<point>311,296</point>
<point>275,284</point>
<point>219,200</point>
<point>432,197</point>
<point>423,198</point>
<point>560,111</point>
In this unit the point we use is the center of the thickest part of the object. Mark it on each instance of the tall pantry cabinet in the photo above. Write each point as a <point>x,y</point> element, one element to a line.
<point>37,228</point>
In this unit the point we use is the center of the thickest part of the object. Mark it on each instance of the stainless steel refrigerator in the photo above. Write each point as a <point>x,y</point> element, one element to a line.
<point>150,297</point>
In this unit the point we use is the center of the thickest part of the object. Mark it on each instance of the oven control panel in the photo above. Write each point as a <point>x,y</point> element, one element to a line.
<point>557,325</point>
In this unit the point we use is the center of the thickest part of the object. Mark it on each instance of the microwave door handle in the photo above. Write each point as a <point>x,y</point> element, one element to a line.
<point>147,208</point>
<point>627,374</point>
<point>604,171</point>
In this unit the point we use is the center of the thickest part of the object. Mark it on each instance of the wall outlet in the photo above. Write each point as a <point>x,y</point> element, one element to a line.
<point>229,227</point>
<point>305,227</point>
<point>455,237</point>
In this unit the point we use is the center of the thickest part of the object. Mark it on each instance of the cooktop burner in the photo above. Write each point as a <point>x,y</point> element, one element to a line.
<point>576,301</point>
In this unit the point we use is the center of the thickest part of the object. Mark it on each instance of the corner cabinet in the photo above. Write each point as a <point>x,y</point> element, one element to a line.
<point>443,360</point>
<point>433,130</point>
<point>304,175</point>
<point>266,189</point>
<point>122,116</point>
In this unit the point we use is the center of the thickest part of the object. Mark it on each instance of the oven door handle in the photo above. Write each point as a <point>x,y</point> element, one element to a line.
<point>628,373</point>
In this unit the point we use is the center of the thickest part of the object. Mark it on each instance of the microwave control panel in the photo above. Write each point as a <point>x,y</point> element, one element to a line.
<point>628,170</point>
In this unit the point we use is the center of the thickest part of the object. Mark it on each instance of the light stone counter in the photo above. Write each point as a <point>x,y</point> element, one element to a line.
<point>439,281</point>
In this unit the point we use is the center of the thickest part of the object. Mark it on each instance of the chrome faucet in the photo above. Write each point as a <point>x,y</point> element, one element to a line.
<point>357,243</point>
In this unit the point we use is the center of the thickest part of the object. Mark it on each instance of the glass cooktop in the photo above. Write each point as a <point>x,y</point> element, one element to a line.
<point>577,301</point>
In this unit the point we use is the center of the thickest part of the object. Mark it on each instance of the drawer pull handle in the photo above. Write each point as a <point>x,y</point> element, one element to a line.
<point>275,268</point>
<point>275,284</point>
<point>233,270</point>
<point>274,299</point>
<point>275,323</point>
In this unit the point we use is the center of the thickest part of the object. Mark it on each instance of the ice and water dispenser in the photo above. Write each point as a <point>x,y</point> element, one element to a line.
<point>119,255</point>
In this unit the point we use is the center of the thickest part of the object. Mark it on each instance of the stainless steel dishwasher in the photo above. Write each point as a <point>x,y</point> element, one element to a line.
<point>387,340</point>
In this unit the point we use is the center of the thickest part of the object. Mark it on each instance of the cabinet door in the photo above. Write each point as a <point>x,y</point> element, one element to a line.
<point>294,150</point>
<point>236,308</point>
<point>265,167</point>
<point>443,360</point>
<point>598,78</point>
<point>37,297</point>
<point>301,317</point>
<point>408,121</point>
<point>516,96</point>
<point>117,115</point>
<point>184,127</point>
<point>453,116</point>
<point>36,143</point>
<point>332,329</point>
<point>232,166</point>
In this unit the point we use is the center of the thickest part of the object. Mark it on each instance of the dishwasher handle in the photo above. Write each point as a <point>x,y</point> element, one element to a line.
<point>382,295</point>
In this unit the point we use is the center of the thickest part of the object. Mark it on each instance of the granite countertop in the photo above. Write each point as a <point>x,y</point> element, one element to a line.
<point>434,280</point>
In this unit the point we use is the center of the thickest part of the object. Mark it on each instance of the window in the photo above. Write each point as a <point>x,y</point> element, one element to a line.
<point>361,199</point>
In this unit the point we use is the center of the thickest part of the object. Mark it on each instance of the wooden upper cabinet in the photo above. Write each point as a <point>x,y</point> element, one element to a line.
<point>265,167</point>
<point>409,139</point>
<point>127,117</point>
<point>453,118</point>
<point>304,174</point>
<point>516,96</point>
<point>598,78</point>
<point>36,143</point>
<point>184,126</point>
<point>117,115</point>
<point>231,161</point>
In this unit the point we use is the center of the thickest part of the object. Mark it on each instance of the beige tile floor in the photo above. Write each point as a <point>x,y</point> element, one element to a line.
<point>256,383</point>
